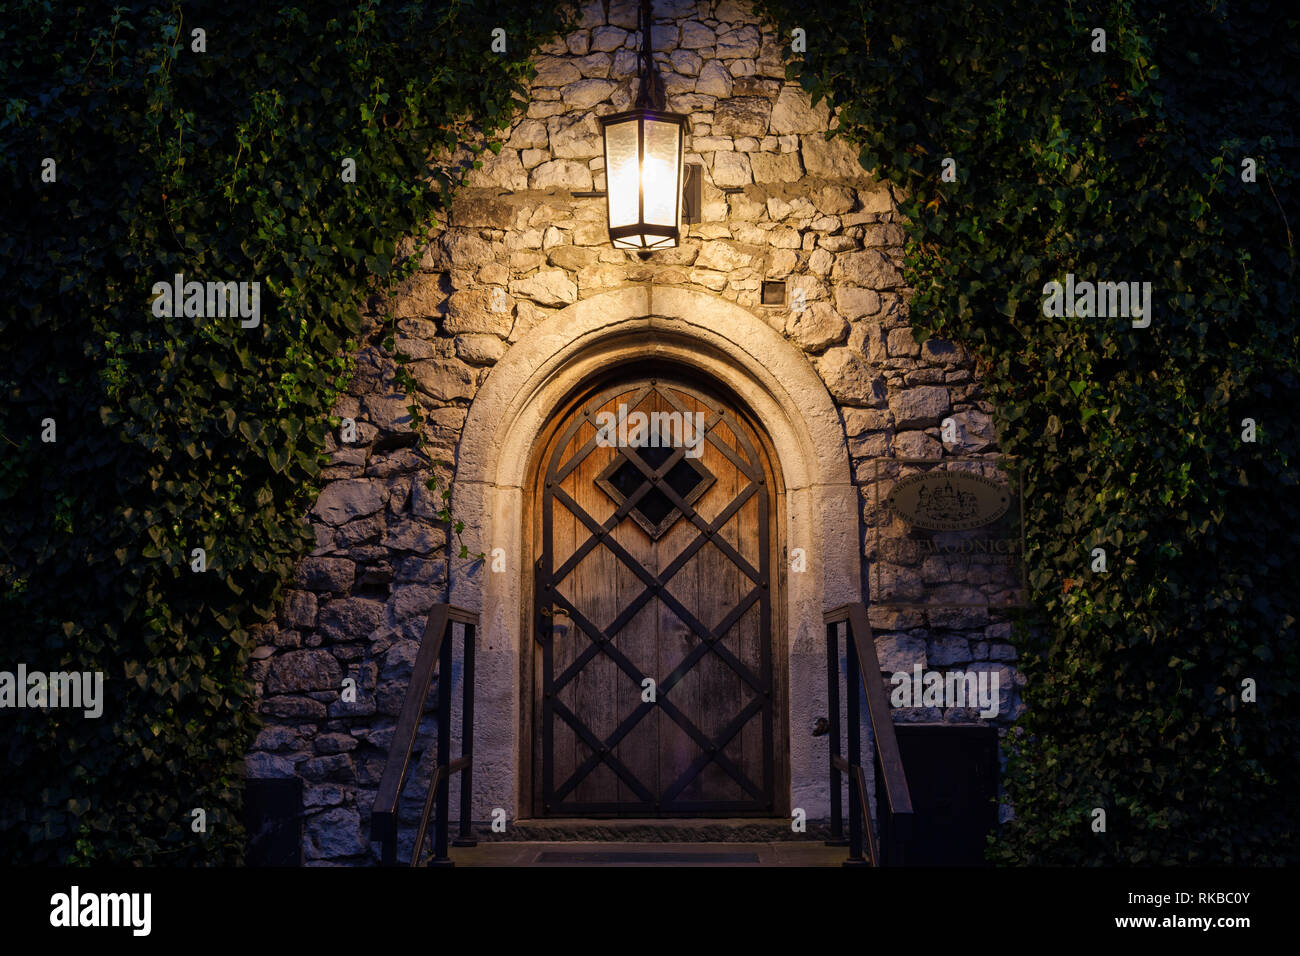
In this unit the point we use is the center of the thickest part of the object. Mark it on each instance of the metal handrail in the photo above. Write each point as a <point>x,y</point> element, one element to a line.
<point>435,652</point>
<point>864,668</point>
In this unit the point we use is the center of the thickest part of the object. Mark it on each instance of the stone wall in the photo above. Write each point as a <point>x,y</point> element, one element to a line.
<point>780,202</point>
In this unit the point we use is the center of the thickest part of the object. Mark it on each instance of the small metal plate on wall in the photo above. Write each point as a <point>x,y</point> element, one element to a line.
<point>693,193</point>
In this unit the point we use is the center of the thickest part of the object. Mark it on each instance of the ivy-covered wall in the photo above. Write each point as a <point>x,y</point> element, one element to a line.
<point>140,141</point>
<point>1116,141</point>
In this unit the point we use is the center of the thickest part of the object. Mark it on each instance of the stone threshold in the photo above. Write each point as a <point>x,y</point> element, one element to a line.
<point>655,830</point>
<point>811,852</point>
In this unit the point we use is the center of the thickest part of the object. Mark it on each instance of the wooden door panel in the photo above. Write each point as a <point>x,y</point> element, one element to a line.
<point>654,563</point>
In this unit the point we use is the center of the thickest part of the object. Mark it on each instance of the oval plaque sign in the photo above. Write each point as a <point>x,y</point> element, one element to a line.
<point>949,500</point>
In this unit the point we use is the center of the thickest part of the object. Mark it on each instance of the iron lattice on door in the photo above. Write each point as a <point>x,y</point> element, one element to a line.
<point>679,595</point>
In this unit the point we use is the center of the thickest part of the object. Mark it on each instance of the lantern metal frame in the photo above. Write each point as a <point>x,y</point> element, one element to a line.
<point>648,108</point>
<point>669,234</point>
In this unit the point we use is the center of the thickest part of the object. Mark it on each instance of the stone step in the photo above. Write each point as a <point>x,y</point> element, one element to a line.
<point>655,830</point>
<point>810,852</point>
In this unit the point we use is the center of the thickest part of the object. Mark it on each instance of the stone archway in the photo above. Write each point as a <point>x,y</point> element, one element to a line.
<point>511,409</point>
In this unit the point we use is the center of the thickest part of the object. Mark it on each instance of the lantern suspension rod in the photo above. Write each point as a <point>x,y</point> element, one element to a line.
<point>650,95</point>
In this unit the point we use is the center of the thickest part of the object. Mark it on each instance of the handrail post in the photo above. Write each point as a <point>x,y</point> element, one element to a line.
<point>884,812</point>
<point>466,837</point>
<point>855,749</point>
<point>833,704</point>
<point>440,857</point>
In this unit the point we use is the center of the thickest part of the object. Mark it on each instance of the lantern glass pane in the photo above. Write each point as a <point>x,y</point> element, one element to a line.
<point>663,194</point>
<point>621,173</point>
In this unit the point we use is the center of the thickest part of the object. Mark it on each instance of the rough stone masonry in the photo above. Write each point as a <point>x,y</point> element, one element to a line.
<point>780,202</point>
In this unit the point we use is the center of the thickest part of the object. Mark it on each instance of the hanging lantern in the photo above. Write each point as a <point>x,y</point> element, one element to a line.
<point>643,178</point>
<point>644,151</point>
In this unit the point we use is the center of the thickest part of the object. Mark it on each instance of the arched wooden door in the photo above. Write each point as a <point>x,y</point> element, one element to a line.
<point>652,542</point>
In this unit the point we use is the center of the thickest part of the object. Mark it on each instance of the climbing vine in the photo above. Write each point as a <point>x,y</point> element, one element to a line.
<point>139,141</point>
<point>1162,690</point>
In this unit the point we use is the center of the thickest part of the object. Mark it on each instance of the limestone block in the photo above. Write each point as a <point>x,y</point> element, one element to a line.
<point>869,269</point>
<point>811,287</point>
<point>723,256</point>
<point>584,94</point>
<point>686,62</point>
<point>876,198</point>
<point>503,170</point>
<point>836,243</point>
<point>713,281</point>
<point>731,169</point>
<point>350,619</point>
<point>306,670</point>
<point>443,379</point>
<point>868,446</point>
<point>665,37</point>
<point>739,43</point>
<point>528,134</point>
<point>709,144</point>
<point>363,530</point>
<point>854,303</point>
<point>848,378</point>
<point>417,297</point>
<point>741,116</point>
<point>335,833</point>
<point>975,431</point>
<point>860,420</point>
<point>940,351</point>
<point>882,234</point>
<point>607,39</point>
<point>817,327</point>
<point>299,609</point>
<point>743,208</point>
<point>479,310</point>
<point>414,535</point>
<point>731,11</point>
<point>776,167</point>
<point>555,71</point>
<point>264,766</point>
<point>560,174</point>
<point>480,349</point>
<point>696,36</point>
<point>714,80</point>
<point>819,263</point>
<point>919,407</point>
<point>626,63</point>
<point>572,258</point>
<point>469,210</point>
<point>783,262</point>
<point>949,649</point>
<point>575,136</point>
<point>551,288</point>
<point>341,501</point>
<point>916,444</point>
<point>387,412</point>
<point>900,652</point>
<point>793,113</point>
<point>578,42</point>
<point>834,200</point>
<point>901,343</point>
<point>830,159</point>
<point>784,238</point>
<point>596,65</point>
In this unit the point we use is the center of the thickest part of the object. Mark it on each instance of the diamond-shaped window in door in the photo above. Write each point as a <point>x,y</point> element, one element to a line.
<point>655,512</point>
